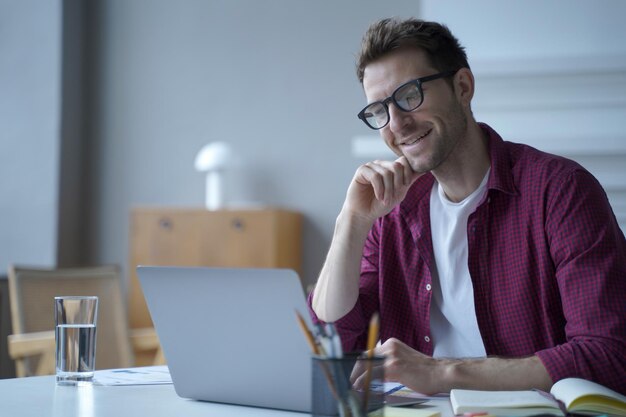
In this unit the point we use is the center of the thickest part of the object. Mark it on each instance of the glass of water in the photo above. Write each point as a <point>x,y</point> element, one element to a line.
<point>75,318</point>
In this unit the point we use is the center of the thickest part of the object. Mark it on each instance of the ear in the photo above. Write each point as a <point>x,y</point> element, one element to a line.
<point>464,86</point>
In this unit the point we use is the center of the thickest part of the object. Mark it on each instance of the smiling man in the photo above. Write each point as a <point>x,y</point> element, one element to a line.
<point>493,265</point>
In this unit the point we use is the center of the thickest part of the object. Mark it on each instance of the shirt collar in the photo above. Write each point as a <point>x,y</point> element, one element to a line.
<point>501,176</point>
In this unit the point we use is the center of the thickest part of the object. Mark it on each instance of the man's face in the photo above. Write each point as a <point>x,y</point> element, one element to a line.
<point>427,135</point>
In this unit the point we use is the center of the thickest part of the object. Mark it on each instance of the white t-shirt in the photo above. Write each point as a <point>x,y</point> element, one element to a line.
<point>454,328</point>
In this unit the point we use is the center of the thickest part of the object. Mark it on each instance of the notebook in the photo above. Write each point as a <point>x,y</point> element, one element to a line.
<point>231,335</point>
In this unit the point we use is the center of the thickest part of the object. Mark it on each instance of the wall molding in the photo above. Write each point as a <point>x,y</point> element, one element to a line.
<point>546,66</point>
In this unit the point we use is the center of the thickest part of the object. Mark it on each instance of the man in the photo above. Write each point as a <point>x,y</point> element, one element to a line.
<point>493,265</point>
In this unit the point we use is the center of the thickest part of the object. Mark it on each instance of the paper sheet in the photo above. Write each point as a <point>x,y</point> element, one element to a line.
<point>148,375</point>
<point>394,388</point>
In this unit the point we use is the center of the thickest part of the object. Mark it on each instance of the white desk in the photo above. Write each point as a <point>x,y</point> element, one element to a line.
<point>40,397</point>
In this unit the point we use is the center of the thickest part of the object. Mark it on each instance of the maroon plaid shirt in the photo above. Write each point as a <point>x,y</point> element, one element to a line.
<point>547,260</point>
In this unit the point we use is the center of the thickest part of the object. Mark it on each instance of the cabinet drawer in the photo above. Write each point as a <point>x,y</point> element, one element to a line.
<point>196,237</point>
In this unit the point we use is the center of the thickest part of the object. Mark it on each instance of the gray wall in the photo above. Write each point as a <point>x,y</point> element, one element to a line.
<point>30,109</point>
<point>275,79</point>
<point>551,74</point>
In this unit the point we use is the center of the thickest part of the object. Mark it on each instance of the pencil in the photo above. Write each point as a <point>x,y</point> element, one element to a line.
<point>311,341</point>
<point>307,333</point>
<point>372,338</point>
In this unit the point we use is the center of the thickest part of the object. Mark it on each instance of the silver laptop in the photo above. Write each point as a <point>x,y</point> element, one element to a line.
<point>231,335</point>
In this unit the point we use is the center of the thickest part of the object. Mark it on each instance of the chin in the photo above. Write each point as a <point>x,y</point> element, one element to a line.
<point>418,167</point>
<point>421,166</point>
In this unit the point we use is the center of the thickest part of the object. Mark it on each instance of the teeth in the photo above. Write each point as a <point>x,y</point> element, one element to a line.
<point>411,142</point>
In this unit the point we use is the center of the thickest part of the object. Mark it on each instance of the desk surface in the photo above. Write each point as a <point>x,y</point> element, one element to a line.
<point>41,397</point>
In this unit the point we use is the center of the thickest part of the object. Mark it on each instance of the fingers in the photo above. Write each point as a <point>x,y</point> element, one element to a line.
<point>396,366</point>
<point>389,179</point>
<point>379,186</point>
<point>378,174</point>
<point>360,381</point>
<point>358,371</point>
<point>360,366</point>
<point>402,364</point>
<point>358,377</point>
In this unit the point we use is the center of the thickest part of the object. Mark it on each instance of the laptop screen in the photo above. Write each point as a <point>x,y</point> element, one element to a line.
<point>230,335</point>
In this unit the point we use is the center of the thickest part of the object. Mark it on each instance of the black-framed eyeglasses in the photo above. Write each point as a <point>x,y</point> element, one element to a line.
<point>407,97</point>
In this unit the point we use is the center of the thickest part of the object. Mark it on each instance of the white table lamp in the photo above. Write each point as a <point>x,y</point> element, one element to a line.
<point>213,159</point>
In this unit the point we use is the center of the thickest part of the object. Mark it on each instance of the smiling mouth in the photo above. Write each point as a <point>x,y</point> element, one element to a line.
<point>416,139</point>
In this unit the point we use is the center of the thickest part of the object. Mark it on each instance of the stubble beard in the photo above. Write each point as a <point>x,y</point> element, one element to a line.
<point>443,143</point>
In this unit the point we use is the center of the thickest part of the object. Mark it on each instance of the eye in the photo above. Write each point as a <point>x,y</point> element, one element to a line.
<point>412,99</point>
<point>408,97</point>
<point>375,110</point>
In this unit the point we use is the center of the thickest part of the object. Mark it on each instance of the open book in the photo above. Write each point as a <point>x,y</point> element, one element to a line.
<point>571,395</point>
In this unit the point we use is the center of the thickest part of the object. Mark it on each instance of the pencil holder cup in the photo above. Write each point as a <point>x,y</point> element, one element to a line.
<point>333,393</point>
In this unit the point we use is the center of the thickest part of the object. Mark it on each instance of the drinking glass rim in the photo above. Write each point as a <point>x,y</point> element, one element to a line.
<point>76,297</point>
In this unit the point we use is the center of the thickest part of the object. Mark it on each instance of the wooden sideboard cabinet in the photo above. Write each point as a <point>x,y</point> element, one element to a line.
<point>267,238</point>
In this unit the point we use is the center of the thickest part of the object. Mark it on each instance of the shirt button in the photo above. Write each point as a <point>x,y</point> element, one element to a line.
<point>428,287</point>
<point>427,339</point>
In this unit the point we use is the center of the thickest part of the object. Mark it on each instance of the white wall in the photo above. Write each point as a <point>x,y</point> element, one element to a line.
<point>548,73</point>
<point>275,79</point>
<point>555,78</point>
<point>534,29</point>
<point>30,55</point>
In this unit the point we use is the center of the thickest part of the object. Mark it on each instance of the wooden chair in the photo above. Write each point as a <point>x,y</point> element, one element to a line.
<point>32,293</point>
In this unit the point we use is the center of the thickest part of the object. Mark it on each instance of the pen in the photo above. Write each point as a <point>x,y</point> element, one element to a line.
<point>335,341</point>
<point>395,389</point>
<point>321,340</point>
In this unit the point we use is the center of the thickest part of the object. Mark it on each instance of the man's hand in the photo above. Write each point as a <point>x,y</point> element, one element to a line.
<point>428,375</point>
<point>377,187</point>
<point>407,366</point>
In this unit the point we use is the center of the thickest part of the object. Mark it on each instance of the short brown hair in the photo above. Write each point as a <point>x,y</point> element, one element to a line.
<point>443,49</point>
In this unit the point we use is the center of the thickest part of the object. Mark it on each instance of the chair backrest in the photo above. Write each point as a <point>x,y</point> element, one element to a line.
<point>32,293</point>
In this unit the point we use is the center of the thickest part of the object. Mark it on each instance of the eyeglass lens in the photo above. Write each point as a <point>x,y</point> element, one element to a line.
<point>408,97</point>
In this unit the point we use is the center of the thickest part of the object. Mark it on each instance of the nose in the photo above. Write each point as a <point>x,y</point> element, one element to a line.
<point>398,119</point>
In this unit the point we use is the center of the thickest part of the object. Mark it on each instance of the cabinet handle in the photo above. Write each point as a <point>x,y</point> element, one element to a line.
<point>238,224</point>
<point>165,223</point>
